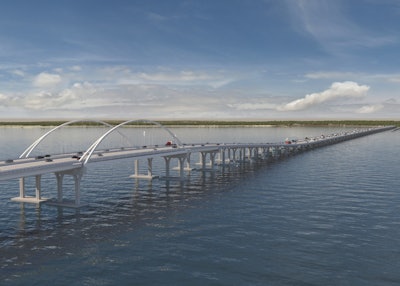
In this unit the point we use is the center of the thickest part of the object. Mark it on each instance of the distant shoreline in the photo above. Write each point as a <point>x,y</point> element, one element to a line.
<point>215,123</point>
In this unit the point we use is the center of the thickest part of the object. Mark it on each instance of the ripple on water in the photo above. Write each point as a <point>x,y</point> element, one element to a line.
<point>325,217</point>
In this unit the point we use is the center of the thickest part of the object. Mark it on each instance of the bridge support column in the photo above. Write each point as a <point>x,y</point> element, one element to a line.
<point>268,153</point>
<point>38,189</point>
<point>77,179</point>
<point>203,159</point>
<point>233,158</point>
<point>212,159</point>
<point>220,157</point>
<point>261,153</point>
<point>223,159</point>
<point>150,167</point>
<point>149,175</point>
<point>136,168</point>
<point>284,151</point>
<point>249,155</point>
<point>22,187</point>
<point>229,155</point>
<point>60,178</point>
<point>253,154</point>
<point>77,175</point>
<point>23,198</point>
<point>188,168</point>
<point>242,154</point>
<point>181,166</point>
<point>276,152</point>
<point>181,162</point>
<point>167,166</point>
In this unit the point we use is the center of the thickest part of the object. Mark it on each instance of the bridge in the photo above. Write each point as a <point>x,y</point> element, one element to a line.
<point>210,155</point>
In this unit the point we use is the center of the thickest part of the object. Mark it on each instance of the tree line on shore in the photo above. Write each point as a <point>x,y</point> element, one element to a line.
<point>287,123</point>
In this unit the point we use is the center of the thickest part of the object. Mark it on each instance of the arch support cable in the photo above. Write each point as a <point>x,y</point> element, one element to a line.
<point>29,150</point>
<point>88,153</point>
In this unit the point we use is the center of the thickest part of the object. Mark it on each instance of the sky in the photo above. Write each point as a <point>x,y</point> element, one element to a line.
<point>200,59</point>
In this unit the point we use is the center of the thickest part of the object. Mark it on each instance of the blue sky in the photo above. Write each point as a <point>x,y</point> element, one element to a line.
<point>203,59</point>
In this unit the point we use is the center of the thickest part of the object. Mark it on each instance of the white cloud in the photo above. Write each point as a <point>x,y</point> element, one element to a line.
<point>18,73</point>
<point>166,93</point>
<point>75,68</point>
<point>391,101</point>
<point>253,106</point>
<point>395,79</point>
<point>119,87</point>
<point>347,89</point>
<point>44,80</point>
<point>337,75</point>
<point>45,100</point>
<point>370,108</point>
<point>183,76</point>
<point>3,98</point>
<point>330,75</point>
<point>173,78</point>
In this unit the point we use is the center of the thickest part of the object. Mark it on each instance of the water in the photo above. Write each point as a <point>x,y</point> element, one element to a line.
<point>330,216</point>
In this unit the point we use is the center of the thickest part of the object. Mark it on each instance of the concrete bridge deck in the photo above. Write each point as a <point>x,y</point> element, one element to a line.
<point>210,154</point>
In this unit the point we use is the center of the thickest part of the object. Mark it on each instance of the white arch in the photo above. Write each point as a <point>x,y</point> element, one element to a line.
<point>28,150</point>
<point>88,154</point>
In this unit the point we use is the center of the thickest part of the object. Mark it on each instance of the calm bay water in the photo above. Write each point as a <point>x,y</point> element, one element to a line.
<point>330,216</point>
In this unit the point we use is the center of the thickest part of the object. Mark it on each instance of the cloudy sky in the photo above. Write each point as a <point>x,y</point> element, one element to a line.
<point>200,59</point>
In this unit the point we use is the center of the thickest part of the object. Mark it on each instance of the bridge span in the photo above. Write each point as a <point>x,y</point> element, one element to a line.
<point>75,164</point>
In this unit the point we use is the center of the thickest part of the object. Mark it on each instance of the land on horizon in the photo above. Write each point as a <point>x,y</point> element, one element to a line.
<point>88,122</point>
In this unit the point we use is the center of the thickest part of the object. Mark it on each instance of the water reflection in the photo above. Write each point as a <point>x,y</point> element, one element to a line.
<point>295,220</point>
<point>121,206</point>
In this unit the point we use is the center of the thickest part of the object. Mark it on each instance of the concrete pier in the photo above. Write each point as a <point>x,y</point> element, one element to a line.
<point>210,155</point>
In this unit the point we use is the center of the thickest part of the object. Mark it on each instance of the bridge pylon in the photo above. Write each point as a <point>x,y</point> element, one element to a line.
<point>149,175</point>
<point>24,198</point>
<point>77,175</point>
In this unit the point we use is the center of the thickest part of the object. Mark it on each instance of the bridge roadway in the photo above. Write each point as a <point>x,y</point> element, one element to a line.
<point>74,164</point>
